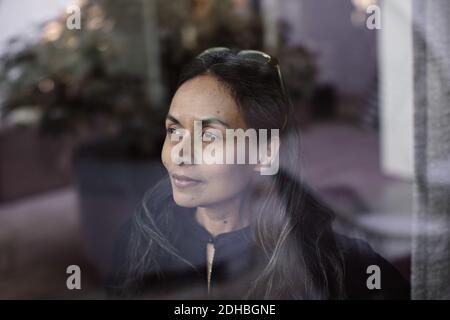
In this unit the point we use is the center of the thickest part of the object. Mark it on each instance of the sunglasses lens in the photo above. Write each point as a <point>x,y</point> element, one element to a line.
<point>255,55</point>
<point>213,51</point>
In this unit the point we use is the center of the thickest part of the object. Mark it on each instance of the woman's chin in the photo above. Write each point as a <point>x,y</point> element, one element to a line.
<point>184,200</point>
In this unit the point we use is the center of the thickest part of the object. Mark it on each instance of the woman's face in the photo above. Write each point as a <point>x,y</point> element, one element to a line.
<point>201,185</point>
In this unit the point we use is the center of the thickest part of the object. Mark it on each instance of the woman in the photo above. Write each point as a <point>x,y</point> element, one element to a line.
<point>227,230</point>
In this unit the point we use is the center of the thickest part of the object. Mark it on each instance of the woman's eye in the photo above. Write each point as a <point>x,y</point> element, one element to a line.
<point>175,131</point>
<point>208,135</point>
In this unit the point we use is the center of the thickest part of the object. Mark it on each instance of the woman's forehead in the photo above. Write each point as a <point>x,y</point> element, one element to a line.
<point>202,97</point>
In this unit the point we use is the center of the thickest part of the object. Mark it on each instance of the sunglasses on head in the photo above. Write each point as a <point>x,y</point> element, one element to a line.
<point>251,55</point>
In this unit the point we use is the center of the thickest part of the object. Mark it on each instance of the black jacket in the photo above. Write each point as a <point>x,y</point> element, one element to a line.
<point>233,260</point>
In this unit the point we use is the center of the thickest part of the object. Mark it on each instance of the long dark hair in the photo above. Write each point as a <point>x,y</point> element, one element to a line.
<point>291,227</point>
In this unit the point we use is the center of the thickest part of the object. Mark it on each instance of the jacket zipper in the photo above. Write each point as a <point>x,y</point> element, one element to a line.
<point>210,251</point>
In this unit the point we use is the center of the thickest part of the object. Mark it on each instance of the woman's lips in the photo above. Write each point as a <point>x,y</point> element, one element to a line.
<point>181,181</point>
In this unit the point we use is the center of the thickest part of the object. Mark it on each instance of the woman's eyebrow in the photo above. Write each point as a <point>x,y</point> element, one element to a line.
<point>208,121</point>
<point>172,118</point>
<point>205,122</point>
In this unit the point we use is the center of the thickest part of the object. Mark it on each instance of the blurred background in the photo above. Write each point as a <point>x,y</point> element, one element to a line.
<point>82,119</point>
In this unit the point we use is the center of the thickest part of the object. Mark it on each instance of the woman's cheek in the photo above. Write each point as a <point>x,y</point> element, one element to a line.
<point>225,181</point>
